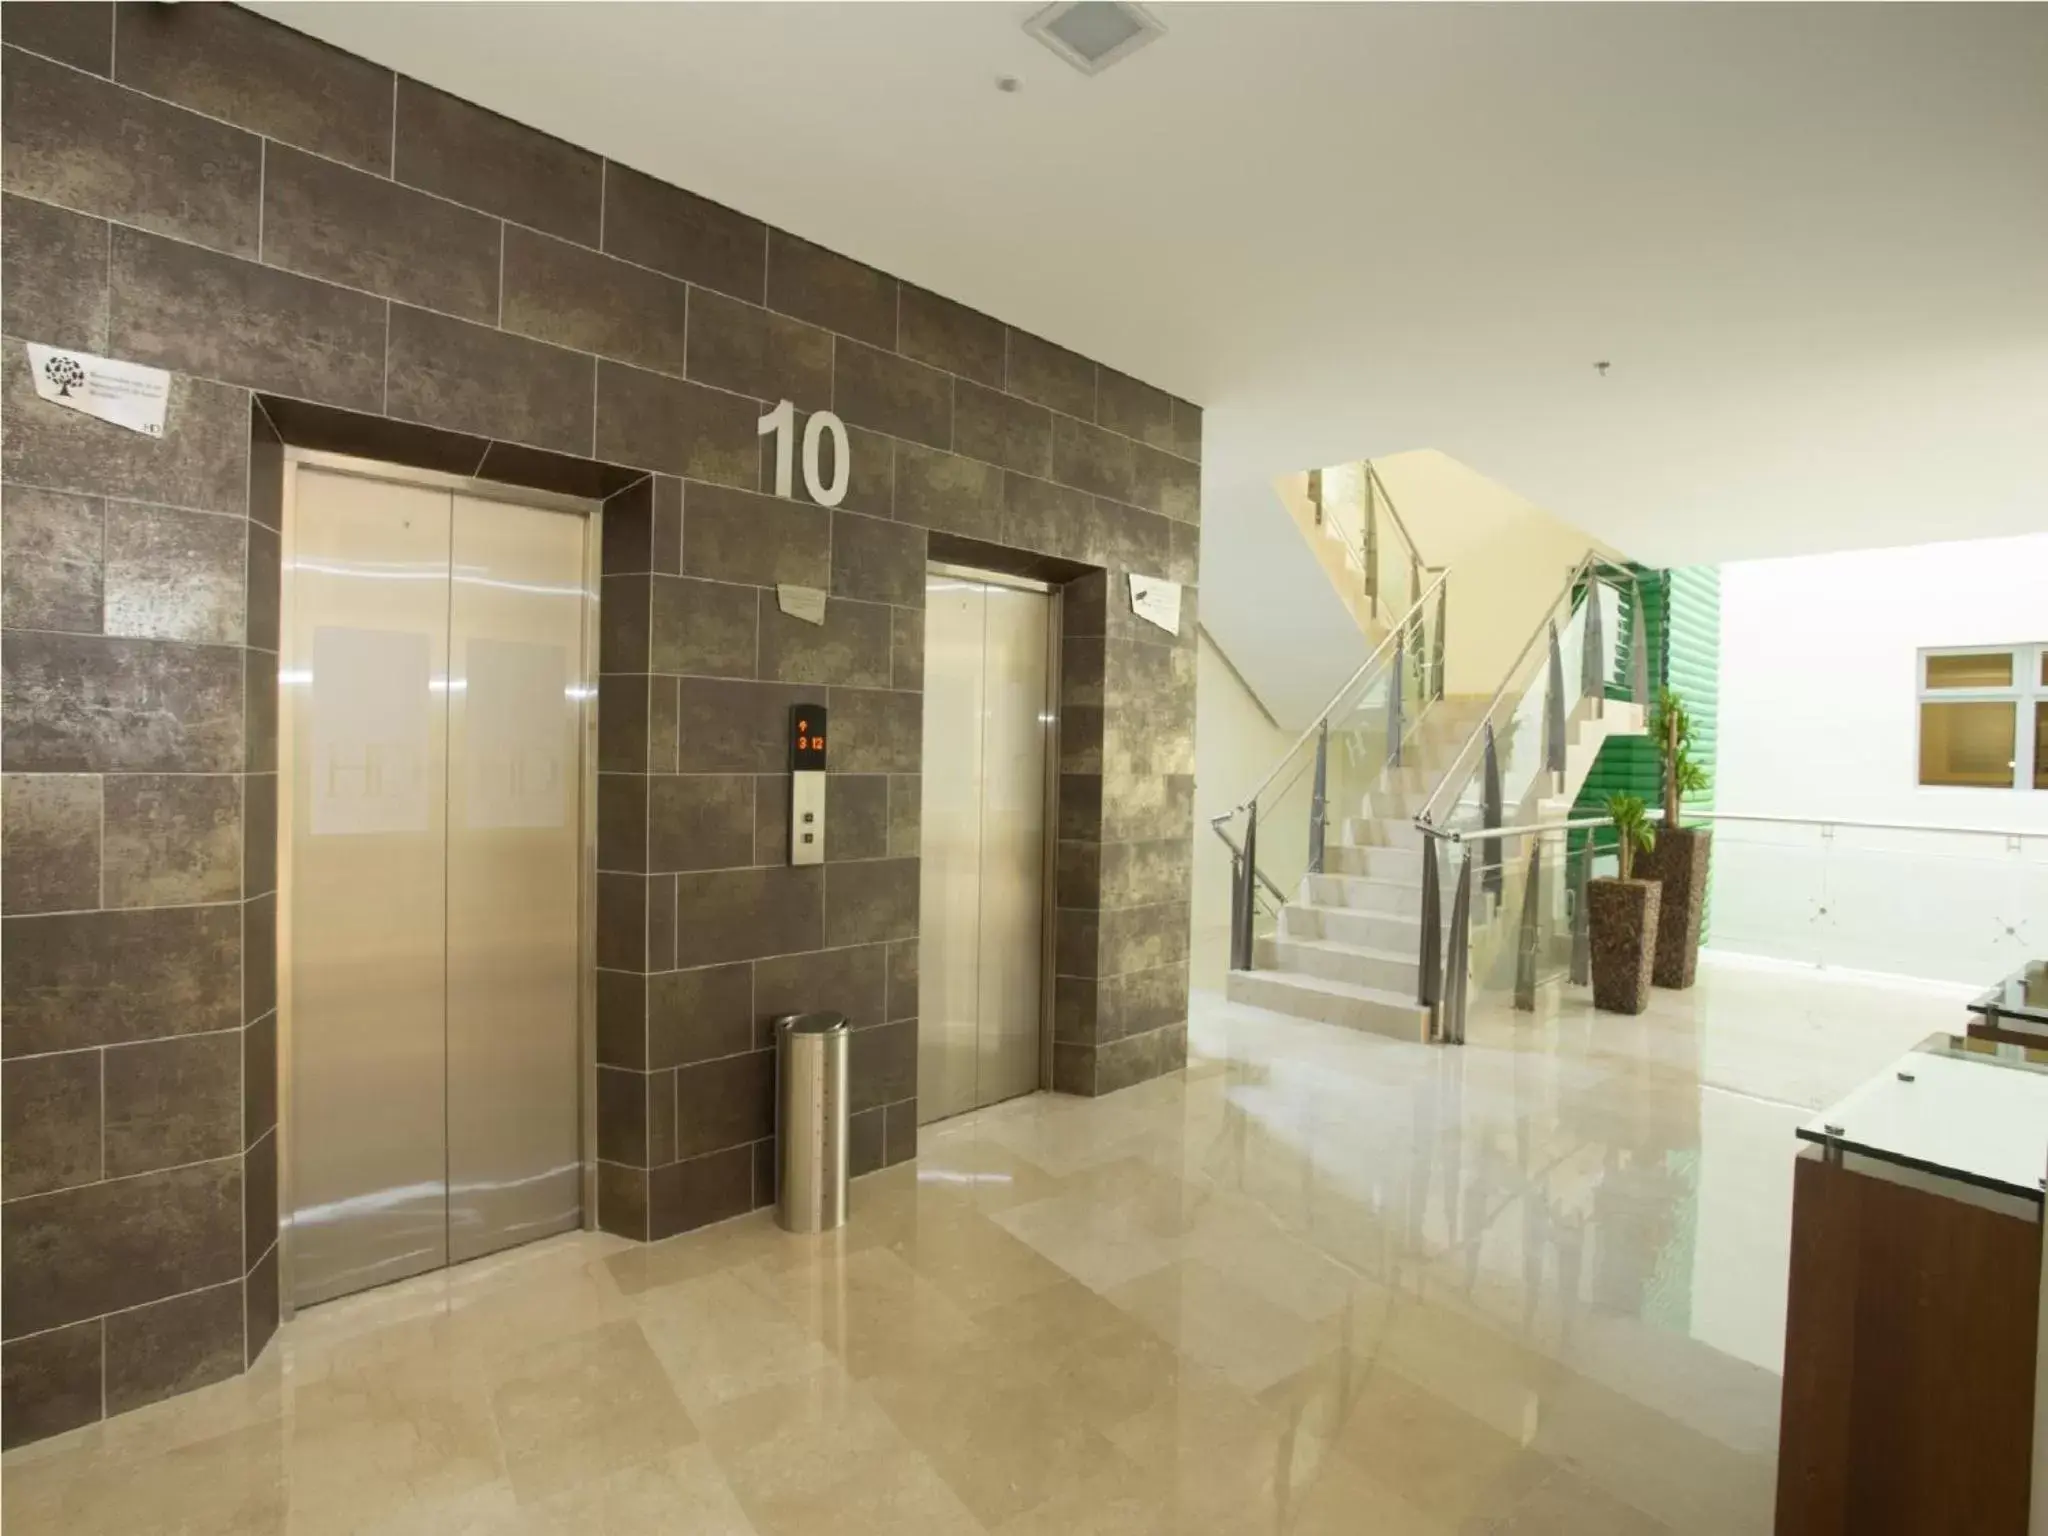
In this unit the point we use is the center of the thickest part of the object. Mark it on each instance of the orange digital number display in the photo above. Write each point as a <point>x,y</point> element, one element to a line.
<point>807,737</point>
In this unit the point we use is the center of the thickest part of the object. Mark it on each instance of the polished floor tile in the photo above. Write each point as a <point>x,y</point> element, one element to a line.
<point>1318,1282</point>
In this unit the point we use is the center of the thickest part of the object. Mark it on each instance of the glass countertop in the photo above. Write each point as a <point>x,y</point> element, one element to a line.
<point>1967,1109</point>
<point>2022,995</point>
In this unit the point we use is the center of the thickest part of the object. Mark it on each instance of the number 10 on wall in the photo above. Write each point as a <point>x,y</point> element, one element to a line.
<point>782,422</point>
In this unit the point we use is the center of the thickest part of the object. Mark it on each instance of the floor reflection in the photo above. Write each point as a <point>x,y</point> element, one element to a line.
<point>1318,1282</point>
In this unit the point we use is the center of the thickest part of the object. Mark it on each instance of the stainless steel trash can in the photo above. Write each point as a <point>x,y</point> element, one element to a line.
<point>810,1121</point>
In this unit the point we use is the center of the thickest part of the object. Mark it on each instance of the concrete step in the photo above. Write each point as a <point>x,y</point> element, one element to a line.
<point>1387,970</point>
<point>1397,933</point>
<point>1381,862</point>
<point>1367,1009</point>
<point>1364,893</point>
<point>1379,832</point>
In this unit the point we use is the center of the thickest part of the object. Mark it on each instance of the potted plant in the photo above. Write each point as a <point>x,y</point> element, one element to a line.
<point>1678,863</point>
<point>1621,915</point>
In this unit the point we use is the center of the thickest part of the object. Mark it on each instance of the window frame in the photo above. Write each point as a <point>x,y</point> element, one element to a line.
<point>2028,690</point>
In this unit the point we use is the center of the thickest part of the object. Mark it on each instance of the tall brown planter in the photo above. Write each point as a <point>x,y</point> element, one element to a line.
<point>1679,864</point>
<point>1622,917</point>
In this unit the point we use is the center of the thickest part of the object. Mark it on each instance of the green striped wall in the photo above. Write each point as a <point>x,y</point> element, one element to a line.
<point>1682,620</point>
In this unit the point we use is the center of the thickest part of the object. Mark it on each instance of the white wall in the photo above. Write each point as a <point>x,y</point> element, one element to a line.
<point>1235,743</point>
<point>1819,719</point>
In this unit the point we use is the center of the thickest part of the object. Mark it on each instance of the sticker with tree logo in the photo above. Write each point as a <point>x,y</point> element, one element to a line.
<point>126,394</point>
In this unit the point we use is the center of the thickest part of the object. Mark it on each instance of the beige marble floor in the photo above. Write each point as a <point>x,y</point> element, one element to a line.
<point>1319,1283</point>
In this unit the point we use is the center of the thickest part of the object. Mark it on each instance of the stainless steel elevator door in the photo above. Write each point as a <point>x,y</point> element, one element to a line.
<point>987,738</point>
<point>433,748</point>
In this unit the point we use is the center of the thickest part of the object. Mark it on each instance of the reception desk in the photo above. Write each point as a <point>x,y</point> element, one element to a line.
<point>1913,1321</point>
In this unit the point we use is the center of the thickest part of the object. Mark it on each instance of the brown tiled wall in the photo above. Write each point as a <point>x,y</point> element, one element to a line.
<point>400,274</point>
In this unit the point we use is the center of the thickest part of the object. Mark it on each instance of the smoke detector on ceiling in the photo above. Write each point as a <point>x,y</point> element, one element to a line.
<point>1091,35</point>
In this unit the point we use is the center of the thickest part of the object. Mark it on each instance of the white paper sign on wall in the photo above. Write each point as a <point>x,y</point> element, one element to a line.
<point>806,603</point>
<point>127,394</point>
<point>1156,602</point>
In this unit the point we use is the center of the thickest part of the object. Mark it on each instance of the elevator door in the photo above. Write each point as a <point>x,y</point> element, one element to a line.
<point>433,734</point>
<point>987,736</point>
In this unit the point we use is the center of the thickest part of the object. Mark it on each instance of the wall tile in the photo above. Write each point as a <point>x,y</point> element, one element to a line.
<point>1077,941</point>
<point>52,1113</point>
<point>622,1116</point>
<point>1050,375</point>
<point>878,560</point>
<point>622,1019</point>
<point>902,998</point>
<point>754,351</point>
<point>882,1065</point>
<point>622,821</point>
<point>1074,1011</point>
<point>259,715</point>
<point>624,604</point>
<point>371,437</point>
<point>259,1079</point>
<point>1091,459</point>
<point>260,1310</point>
<point>1073,1068</point>
<point>684,235</point>
<point>700,821</point>
<point>1155,806</point>
<point>708,628</point>
<point>699,1015</point>
<point>906,792</point>
<point>742,914</point>
<point>661,923</point>
<point>259,957</point>
<point>566,474</point>
<point>1002,429</point>
<point>263,589</point>
<point>857,806</point>
<point>575,297</point>
<point>54,285</point>
<point>764,1173</point>
<point>899,1135</point>
<point>628,543</point>
<point>950,336</point>
<point>665,553</point>
<point>1141,874</point>
<point>1187,430</point>
<point>661,724</point>
<point>684,1196</point>
<point>652,421</point>
<point>171,839</point>
<point>82,704</point>
<point>74,32</point>
<point>851,647</point>
<point>906,648</point>
<point>828,289</point>
<point>849,981</point>
<point>170,1102</point>
<point>866,1141</point>
<point>173,1346</point>
<point>259,833</point>
<point>661,1118</point>
<point>1135,409</point>
<point>725,1103</point>
<point>891,394</point>
<point>90,145</point>
<point>52,825</point>
<point>876,730</point>
<point>731,535</point>
<point>1141,938</point>
<point>180,307</point>
<point>473,379</point>
<point>622,1201</point>
<point>1080,811</point>
<point>871,901</point>
<point>172,575</point>
<point>448,146</point>
<point>49,1383</point>
<point>1077,877</point>
<point>1051,519</point>
<point>233,64</point>
<point>1139,1002</point>
<point>622,722</point>
<point>202,460</point>
<point>1140,1058</point>
<point>1166,484</point>
<point>870,485</point>
<point>51,549</point>
<point>734,727</point>
<point>328,221</point>
<point>98,978</point>
<point>621,921</point>
<point>107,1247</point>
<point>266,464</point>
<point>771,818</point>
<point>947,492</point>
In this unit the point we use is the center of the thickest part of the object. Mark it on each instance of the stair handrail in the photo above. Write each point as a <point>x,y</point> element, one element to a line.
<point>1592,564</point>
<point>1372,473</point>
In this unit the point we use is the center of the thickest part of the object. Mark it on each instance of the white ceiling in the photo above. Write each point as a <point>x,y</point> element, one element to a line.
<point>1812,239</point>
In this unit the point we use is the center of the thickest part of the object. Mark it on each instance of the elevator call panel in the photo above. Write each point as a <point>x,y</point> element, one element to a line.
<point>807,784</point>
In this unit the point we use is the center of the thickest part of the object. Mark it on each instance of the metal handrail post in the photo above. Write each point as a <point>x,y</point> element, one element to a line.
<point>1318,803</point>
<point>1238,945</point>
<point>1249,899</point>
<point>1396,679</point>
<point>1638,652</point>
<point>1553,712</point>
<point>1593,655</point>
<point>1443,593</point>
<point>1372,546</point>
<point>1428,960</point>
<point>1582,928</point>
<point>1493,874</point>
<point>1530,931</point>
<point>1458,953</point>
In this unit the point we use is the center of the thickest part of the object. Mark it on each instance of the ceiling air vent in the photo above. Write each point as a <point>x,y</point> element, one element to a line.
<point>1091,35</point>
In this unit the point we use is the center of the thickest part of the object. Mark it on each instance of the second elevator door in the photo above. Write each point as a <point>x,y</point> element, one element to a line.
<point>434,726</point>
<point>987,735</point>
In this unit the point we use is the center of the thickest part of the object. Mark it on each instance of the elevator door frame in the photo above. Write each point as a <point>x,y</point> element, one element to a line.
<point>592,513</point>
<point>1049,853</point>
